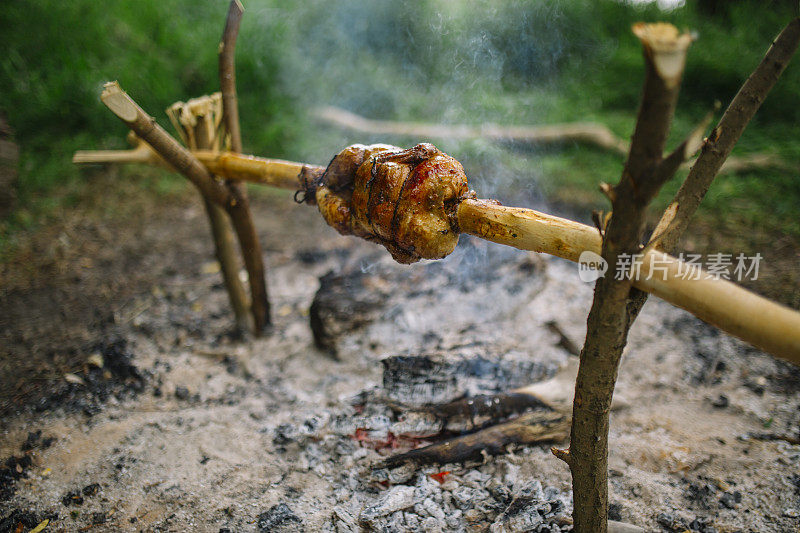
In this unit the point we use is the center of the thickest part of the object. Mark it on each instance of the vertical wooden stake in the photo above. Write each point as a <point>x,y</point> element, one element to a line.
<point>240,209</point>
<point>607,325</point>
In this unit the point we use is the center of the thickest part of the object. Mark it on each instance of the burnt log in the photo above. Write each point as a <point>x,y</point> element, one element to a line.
<point>531,428</point>
<point>344,303</point>
<point>442,378</point>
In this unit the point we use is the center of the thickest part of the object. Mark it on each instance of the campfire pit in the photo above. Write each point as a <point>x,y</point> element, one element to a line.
<point>415,203</point>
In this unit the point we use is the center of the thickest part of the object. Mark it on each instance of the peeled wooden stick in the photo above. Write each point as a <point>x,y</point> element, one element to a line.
<point>272,172</point>
<point>744,314</point>
<point>140,154</point>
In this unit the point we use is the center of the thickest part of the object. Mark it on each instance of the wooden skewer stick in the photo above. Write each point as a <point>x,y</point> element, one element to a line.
<point>272,172</point>
<point>744,314</point>
<point>737,311</point>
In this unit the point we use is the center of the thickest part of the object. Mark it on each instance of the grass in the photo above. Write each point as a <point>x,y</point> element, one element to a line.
<point>517,62</point>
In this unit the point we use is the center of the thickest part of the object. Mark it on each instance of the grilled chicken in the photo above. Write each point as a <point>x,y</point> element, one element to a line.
<point>405,200</point>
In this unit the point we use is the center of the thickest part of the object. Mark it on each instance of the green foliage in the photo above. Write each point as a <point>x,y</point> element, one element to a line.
<point>58,55</point>
<point>514,62</point>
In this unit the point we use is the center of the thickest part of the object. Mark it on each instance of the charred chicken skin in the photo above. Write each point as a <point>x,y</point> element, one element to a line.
<point>405,200</point>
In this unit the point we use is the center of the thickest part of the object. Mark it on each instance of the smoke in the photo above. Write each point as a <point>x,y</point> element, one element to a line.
<point>435,61</point>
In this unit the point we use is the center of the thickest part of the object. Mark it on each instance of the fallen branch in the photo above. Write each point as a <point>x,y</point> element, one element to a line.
<point>580,132</point>
<point>588,133</point>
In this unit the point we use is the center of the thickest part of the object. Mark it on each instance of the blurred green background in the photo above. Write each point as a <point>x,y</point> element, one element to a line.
<point>442,61</point>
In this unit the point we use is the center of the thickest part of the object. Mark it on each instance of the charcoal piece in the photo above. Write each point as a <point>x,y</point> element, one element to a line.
<point>614,511</point>
<point>181,392</point>
<point>12,521</point>
<point>32,441</point>
<point>91,490</point>
<point>731,499</point>
<point>73,497</point>
<point>117,359</point>
<point>344,303</point>
<point>279,518</point>
<point>420,380</point>
<point>521,515</point>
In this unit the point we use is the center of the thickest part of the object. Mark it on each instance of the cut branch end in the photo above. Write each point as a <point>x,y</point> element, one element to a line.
<point>118,102</point>
<point>561,454</point>
<point>666,47</point>
<point>608,191</point>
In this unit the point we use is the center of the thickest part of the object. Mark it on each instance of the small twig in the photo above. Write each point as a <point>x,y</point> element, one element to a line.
<point>670,164</point>
<point>563,339</point>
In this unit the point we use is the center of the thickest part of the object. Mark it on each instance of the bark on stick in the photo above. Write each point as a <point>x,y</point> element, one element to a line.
<point>241,216</point>
<point>665,52</point>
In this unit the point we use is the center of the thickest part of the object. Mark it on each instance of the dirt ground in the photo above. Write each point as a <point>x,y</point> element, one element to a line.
<point>129,405</point>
